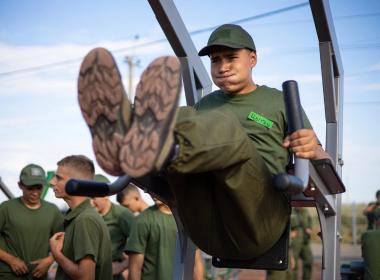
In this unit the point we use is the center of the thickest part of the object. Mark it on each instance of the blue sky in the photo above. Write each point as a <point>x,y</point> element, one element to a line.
<point>43,42</point>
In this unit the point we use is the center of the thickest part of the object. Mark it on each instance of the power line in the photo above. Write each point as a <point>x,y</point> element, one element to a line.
<point>207,29</point>
<point>195,32</point>
<point>336,18</point>
<point>263,15</point>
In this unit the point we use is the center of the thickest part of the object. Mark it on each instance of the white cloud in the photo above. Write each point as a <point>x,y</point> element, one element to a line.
<point>21,57</point>
<point>372,86</point>
<point>60,79</point>
<point>374,67</point>
<point>37,85</point>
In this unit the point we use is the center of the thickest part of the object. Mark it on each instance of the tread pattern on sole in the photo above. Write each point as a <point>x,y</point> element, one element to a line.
<point>148,141</point>
<point>102,100</point>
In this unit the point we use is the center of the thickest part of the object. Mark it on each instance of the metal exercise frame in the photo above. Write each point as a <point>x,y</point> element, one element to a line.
<point>197,83</point>
<point>6,190</point>
<point>322,192</point>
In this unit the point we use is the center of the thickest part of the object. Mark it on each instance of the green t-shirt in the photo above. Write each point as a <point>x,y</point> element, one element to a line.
<point>86,234</point>
<point>153,234</point>
<point>118,221</point>
<point>371,254</point>
<point>25,232</point>
<point>262,114</point>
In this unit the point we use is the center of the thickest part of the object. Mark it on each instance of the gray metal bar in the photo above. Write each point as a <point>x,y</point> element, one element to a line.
<point>325,30</point>
<point>5,190</point>
<point>171,23</point>
<point>332,69</point>
<point>189,82</point>
<point>328,81</point>
<point>330,241</point>
<point>339,93</point>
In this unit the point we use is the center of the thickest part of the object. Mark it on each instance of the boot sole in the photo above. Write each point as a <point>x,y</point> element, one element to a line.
<point>147,144</point>
<point>105,107</point>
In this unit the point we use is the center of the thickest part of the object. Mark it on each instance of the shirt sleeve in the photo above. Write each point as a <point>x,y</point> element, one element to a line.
<point>139,235</point>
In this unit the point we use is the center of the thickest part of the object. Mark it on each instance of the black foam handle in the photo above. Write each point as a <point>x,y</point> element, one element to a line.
<point>87,188</point>
<point>288,183</point>
<point>292,105</point>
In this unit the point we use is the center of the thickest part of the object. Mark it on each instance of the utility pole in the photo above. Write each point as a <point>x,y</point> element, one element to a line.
<point>131,63</point>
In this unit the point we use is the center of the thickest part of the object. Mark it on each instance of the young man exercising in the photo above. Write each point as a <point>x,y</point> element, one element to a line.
<point>222,153</point>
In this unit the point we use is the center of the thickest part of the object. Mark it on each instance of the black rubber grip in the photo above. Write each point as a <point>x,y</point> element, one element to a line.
<point>291,184</point>
<point>285,182</point>
<point>87,188</point>
<point>292,105</point>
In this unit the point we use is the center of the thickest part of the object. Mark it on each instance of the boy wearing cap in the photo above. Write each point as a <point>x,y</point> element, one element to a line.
<point>26,224</point>
<point>223,153</point>
<point>118,220</point>
<point>83,251</point>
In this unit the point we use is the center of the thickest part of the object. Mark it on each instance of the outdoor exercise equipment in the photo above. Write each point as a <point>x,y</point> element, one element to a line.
<point>6,191</point>
<point>322,187</point>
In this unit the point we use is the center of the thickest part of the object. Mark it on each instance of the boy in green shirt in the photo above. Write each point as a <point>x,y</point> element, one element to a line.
<point>223,153</point>
<point>84,249</point>
<point>118,220</point>
<point>151,245</point>
<point>26,224</point>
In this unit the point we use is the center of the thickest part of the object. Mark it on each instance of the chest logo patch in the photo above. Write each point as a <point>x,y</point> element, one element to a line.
<point>260,119</point>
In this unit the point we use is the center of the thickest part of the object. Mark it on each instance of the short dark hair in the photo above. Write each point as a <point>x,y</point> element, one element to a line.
<point>131,188</point>
<point>378,193</point>
<point>81,164</point>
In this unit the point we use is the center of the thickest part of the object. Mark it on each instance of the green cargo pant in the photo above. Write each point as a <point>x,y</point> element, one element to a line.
<point>306,255</point>
<point>279,275</point>
<point>223,189</point>
<point>297,247</point>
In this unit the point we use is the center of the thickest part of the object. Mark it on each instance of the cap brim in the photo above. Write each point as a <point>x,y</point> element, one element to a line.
<point>29,183</point>
<point>207,50</point>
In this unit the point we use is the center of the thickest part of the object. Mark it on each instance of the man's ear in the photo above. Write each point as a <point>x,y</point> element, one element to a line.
<point>253,58</point>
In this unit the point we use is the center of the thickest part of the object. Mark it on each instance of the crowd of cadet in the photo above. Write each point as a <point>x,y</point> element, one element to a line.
<point>94,239</point>
<point>100,238</point>
<point>97,238</point>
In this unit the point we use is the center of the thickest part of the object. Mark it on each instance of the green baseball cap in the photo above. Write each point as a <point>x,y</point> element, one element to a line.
<point>229,35</point>
<point>33,174</point>
<point>101,178</point>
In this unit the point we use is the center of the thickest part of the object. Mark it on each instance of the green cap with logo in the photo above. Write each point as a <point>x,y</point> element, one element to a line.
<point>33,174</point>
<point>229,35</point>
